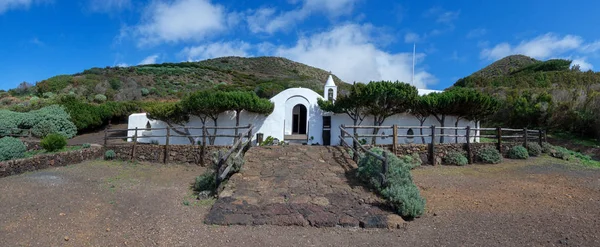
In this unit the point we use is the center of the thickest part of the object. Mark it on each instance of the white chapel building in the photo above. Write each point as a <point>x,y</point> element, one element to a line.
<point>295,118</point>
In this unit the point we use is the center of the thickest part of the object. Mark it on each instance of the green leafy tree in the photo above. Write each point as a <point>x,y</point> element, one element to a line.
<point>173,114</point>
<point>352,104</point>
<point>421,112</point>
<point>439,105</point>
<point>239,101</point>
<point>384,99</point>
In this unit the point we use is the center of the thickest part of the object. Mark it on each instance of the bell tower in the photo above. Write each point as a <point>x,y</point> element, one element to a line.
<point>330,92</point>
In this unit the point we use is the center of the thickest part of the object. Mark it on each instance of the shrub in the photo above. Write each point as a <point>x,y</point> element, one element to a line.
<point>518,152</point>
<point>145,91</point>
<point>154,142</point>
<point>50,119</point>
<point>534,149</point>
<point>489,155</point>
<point>561,153</point>
<point>399,188</point>
<point>53,142</point>
<point>268,141</point>
<point>547,148</point>
<point>110,154</point>
<point>456,158</point>
<point>11,148</point>
<point>206,182</point>
<point>413,160</point>
<point>100,98</point>
<point>86,145</point>
<point>406,200</point>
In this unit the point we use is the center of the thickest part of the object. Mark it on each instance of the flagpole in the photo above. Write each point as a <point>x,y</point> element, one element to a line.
<point>413,67</point>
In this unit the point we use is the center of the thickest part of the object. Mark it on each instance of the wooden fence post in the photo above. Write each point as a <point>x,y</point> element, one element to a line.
<point>432,146</point>
<point>469,155</point>
<point>526,137</point>
<point>249,145</point>
<point>105,137</point>
<point>384,169</point>
<point>546,135</point>
<point>166,158</point>
<point>134,144</point>
<point>499,137</point>
<point>540,137</point>
<point>395,139</point>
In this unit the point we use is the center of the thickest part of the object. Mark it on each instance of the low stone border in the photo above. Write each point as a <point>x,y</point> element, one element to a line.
<point>178,154</point>
<point>18,166</point>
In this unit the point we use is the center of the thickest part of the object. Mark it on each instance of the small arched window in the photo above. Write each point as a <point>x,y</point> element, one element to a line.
<point>330,94</point>
<point>148,126</point>
<point>410,133</point>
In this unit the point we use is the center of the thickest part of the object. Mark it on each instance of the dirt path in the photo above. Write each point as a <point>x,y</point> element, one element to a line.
<point>536,203</point>
<point>300,186</point>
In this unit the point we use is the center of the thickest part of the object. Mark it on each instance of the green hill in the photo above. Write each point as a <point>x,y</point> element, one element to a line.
<point>266,76</point>
<point>541,94</point>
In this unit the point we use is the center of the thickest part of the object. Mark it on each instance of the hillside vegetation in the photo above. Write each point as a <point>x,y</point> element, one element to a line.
<point>266,76</point>
<point>97,95</point>
<point>541,94</point>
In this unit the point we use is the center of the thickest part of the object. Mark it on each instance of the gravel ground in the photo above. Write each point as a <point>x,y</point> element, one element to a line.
<point>540,202</point>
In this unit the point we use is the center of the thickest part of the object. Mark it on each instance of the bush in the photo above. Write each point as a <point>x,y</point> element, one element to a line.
<point>489,155</point>
<point>268,141</point>
<point>456,158</point>
<point>534,149</point>
<point>53,142</point>
<point>399,188</point>
<point>561,153</point>
<point>145,92</point>
<point>547,148</point>
<point>11,148</point>
<point>50,119</point>
<point>100,98</point>
<point>206,182</point>
<point>518,152</point>
<point>86,145</point>
<point>110,154</point>
<point>406,200</point>
<point>413,160</point>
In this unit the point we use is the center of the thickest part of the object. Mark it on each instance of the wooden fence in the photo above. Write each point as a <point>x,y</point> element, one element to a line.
<point>170,133</point>
<point>497,134</point>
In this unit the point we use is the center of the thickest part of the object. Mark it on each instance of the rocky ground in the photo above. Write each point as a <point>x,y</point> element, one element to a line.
<point>300,186</point>
<point>539,202</point>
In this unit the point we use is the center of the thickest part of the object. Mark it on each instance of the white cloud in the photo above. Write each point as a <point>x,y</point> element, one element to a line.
<point>411,38</point>
<point>442,16</point>
<point>266,20</point>
<point>109,5</point>
<point>476,33</point>
<point>122,65</point>
<point>541,47</point>
<point>583,65</point>
<point>348,51</point>
<point>6,5</point>
<point>180,20</point>
<point>593,47</point>
<point>149,60</point>
<point>213,50</point>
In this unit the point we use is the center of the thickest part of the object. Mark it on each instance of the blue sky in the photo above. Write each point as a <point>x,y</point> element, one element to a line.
<point>357,40</point>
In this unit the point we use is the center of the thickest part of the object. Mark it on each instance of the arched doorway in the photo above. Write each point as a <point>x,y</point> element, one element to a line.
<point>299,117</point>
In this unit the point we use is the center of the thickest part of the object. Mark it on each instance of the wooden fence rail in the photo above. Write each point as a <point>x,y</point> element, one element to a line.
<point>526,135</point>
<point>170,134</point>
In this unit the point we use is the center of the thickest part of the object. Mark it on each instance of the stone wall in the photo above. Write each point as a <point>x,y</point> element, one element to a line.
<point>13,167</point>
<point>178,154</point>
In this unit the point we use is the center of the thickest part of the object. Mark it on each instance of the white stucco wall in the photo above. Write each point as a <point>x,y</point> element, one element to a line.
<point>279,122</point>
